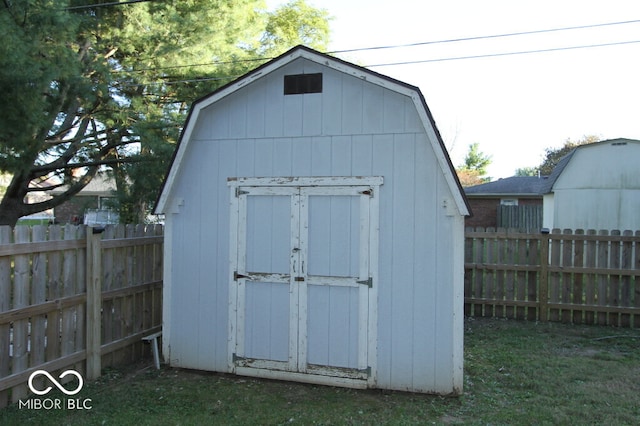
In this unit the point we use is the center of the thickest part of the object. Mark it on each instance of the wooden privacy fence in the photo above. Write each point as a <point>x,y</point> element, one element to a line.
<point>75,297</point>
<point>525,216</point>
<point>579,277</point>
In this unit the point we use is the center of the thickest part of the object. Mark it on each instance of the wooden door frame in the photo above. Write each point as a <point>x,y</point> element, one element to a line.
<point>367,368</point>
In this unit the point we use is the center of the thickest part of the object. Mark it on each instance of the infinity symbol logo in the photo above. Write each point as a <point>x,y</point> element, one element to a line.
<point>55,382</point>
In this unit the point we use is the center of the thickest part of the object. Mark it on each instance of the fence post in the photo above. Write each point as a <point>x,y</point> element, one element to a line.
<point>94,302</point>
<point>543,293</point>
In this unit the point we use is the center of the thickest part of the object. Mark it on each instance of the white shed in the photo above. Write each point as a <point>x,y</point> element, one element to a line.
<point>315,232</point>
<point>595,186</point>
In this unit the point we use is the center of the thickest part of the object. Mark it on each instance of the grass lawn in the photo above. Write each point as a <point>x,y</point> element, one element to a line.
<point>515,373</point>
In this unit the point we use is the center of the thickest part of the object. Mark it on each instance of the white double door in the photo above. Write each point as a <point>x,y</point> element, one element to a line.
<point>302,285</point>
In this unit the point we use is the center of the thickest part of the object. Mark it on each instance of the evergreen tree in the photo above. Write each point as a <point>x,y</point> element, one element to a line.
<point>89,85</point>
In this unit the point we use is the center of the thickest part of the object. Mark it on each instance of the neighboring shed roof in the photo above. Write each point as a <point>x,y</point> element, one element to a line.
<point>511,186</point>
<point>337,64</point>
<point>564,161</point>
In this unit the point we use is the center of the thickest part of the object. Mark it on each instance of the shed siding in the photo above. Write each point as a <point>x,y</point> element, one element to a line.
<point>333,133</point>
<point>599,189</point>
<point>343,108</point>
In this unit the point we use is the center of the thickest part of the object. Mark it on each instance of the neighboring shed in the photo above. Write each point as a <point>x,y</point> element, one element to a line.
<point>595,186</point>
<point>315,232</point>
<point>513,202</point>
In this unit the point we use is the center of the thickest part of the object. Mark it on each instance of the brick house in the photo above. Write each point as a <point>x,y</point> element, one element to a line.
<point>514,202</point>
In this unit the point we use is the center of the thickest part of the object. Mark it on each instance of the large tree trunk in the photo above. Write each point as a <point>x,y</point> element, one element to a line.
<point>12,206</point>
<point>11,209</point>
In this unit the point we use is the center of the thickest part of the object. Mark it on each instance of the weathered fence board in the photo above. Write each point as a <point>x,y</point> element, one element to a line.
<point>579,277</point>
<point>44,320</point>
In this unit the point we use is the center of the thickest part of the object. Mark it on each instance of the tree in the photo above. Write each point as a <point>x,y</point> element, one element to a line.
<point>528,171</point>
<point>473,170</point>
<point>554,155</point>
<point>92,86</point>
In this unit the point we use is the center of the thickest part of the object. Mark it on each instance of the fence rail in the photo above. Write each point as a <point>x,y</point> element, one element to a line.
<point>580,277</point>
<point>74,298</point>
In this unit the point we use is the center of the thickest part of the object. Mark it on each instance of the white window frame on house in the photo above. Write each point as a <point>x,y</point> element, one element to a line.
<point>508,201</point>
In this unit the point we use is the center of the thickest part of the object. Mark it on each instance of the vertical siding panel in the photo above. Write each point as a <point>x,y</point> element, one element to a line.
<point>217,329</point>
<point>382,164</point>
<point>331,103</point>
<point>274,106</point>
<point>321,156</point>
<point>218,116</point>
<point>402,247</point>
<point>184,328</point>
<point>256,107</point>
<point>412,122</point>
<point>312,114</point>
<point>246,151</point>
<point>352,91</point>
<point>301,157</point>
<point>424,266</point>
<point>362,155</point>
<point>444,302</point>
<point>238,115</point>
<point>373,110</point>
<point>341,156</point>
<point>292,119</point>
<point>282,157</point>
<point>263,157</point>
<point>393,121</point>
<point>208,232</point>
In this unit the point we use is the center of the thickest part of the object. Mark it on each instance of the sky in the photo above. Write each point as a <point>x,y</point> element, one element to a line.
<point>513,106</point>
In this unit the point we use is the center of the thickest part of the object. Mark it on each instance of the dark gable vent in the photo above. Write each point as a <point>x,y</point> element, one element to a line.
<point>299,84</point>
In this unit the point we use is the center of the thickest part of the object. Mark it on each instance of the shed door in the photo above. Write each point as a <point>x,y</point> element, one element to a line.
<point>302,280</point>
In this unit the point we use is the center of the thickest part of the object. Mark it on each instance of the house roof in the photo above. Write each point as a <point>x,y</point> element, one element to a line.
<point>564,161</point>
<point>337,64</point>
<point>534,186</point>
<point>100,185</point>
<point>511,186</point>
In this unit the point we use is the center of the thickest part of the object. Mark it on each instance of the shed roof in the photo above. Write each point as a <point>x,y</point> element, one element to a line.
<point>511,186</point>
<point>336,64</point>
<point>564,161</point>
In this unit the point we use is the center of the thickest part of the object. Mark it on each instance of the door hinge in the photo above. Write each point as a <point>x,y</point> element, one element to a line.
<point>240,192</point>
<point>368,192</point>
<point>237,276</point>
<point>298,279</point>
<point>368,282</point>
<point>366,371</point>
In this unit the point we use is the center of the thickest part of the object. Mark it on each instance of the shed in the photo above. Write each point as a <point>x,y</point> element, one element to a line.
<point>315,232</point>
<point>595,186</point>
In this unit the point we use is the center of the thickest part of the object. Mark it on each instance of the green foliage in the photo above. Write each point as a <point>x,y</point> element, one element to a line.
<point>473,170</point>
<point>91,86</point>
<point>527,171</point>
<point>553,155</point>
<point>296,23</point>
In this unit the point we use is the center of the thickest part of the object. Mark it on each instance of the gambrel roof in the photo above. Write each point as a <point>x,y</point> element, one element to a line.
<point>336,64</point>
<point>564,161</point>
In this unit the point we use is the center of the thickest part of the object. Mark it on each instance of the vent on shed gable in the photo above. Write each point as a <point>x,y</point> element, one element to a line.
<point>302,83</point>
